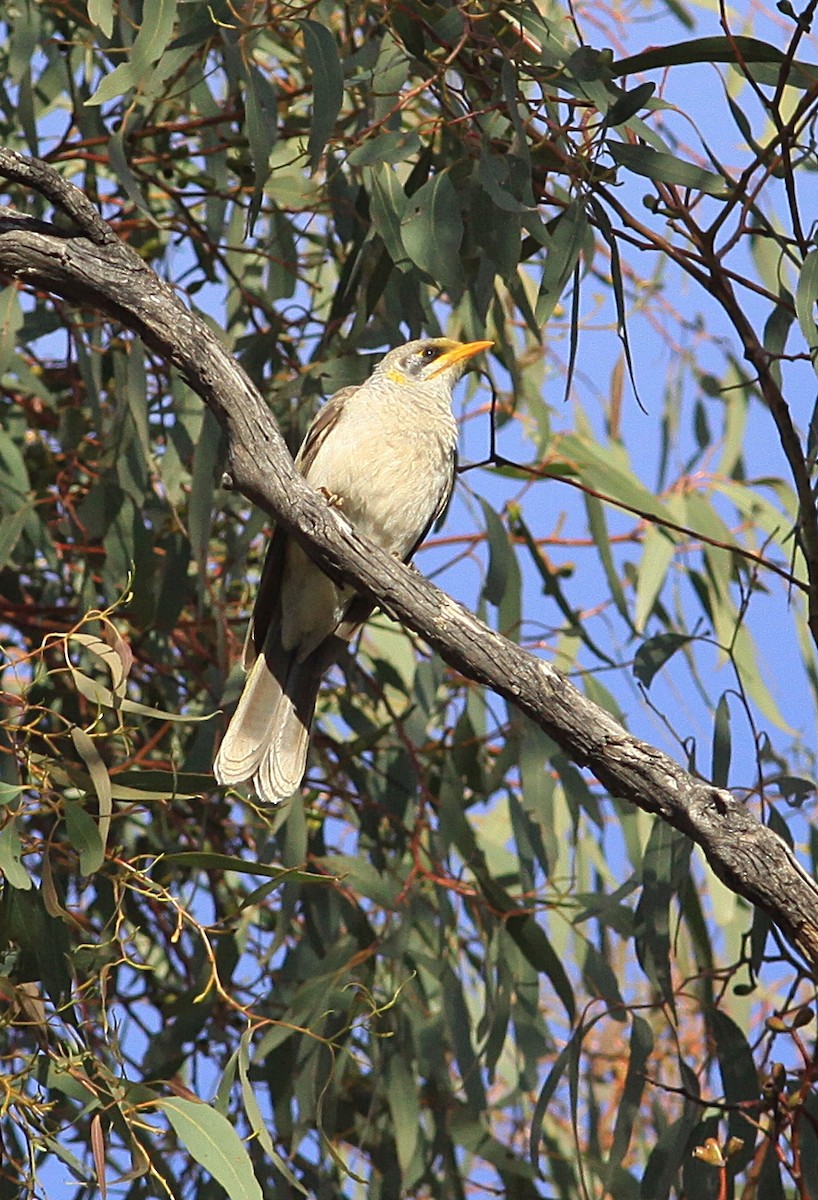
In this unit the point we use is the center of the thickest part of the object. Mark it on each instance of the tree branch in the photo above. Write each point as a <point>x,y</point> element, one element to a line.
<point>95,269</point>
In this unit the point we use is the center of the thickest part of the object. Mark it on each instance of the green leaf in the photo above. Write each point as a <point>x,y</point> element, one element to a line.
<point>495,178</point>
<point>458,1025</point>
<point>9,792</point>
<point>658,550</point>
<point>102,786</point>
<point>496,232</point>
<point>672,1147</point>
<point>722,744</point>
<point>664,865</point>
<point>11,529</point>
<point>261,99</point>
<point>776,331</point>
<point>540,952</point>
<point>567,1061</point>
<point>563,246</point>
<point>214,1144</point>
<point>431,230</point>
<point>806,297</point>
<point>601,981</point>
<point>118,158</point>
<point>92,690</point>
<point>14,480</point>
<point>208,861</point>
<point>327,86</point>
<point>206,462</point>
<point>11,320</point>
<point>255,1116</point>
<point>388,203</point>
<point>395,146</point>
<point>599,532</point>
<point>654,653</point>
<point>629,104</point>
<point>606,229</point>
<point>666,168</point>
<point>11,856</point>
<point>503,580</point>
<point>101,14</point>
<point>794,789</point>
<point>44,942</point>
<point>605,470</point>
<point>363,879</point>
<point>84,836</point>
<point>404,1108</point>
<point>175,589</point>
<point>641,1047</point>
<point>551,587</point>
<point>733,49</point>
<point>745,655</point>
<point>738,1075</point>
<point>158,20</point>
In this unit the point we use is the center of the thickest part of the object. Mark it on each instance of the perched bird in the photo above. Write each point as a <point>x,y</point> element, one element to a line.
<point>385,454</point>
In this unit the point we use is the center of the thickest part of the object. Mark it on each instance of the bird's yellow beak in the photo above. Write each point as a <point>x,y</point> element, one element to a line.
<point>457,354</point>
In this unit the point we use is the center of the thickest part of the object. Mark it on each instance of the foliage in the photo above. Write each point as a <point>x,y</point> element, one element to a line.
<point>456,964</point>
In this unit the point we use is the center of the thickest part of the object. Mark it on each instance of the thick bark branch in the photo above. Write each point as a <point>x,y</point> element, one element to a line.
<point>97,270</point>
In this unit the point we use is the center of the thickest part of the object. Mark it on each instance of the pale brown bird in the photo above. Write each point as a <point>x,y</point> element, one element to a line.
<point>385,454</point>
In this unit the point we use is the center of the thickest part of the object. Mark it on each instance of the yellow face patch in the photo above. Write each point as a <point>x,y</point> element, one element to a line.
<point>396,376</point>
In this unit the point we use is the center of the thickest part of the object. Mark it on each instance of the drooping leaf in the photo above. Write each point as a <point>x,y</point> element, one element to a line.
<point>213,1142</point>
<point>431,230</point>
<point>722,743</point>
<point>666,168</point>
<point>261,99</point>
<point>654,653</point>
<point>629,103</point>
<point>84,836</point>
<point>734,49</point>
<point>641,1045</point>
<point>101,13</point>
<point>389,203</point>
<point>102,786</point>
<point>11,529</point>
<point>158,20</point>
<point>563,247</point>
<point>806,297</point>
<point>11,856</point>
<point>327,85</point>
<point>739,1078</point>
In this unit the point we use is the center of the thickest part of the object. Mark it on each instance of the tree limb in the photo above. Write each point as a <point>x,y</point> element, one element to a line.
<point>92,267</point>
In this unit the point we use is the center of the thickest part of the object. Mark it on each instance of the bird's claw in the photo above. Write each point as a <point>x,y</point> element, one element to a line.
<point>331,498</point>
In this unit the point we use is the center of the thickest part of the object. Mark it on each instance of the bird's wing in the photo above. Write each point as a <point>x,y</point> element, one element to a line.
<point>323,423</point>
<point>445,497</point>
<point>269,586</point>
<point>361,608</point>
<point>441,508</point>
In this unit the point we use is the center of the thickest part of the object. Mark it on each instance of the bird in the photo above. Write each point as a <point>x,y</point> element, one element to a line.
<point>385,454</point>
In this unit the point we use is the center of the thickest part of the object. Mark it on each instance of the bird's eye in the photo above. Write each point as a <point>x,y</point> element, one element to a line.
<point>429,353</point>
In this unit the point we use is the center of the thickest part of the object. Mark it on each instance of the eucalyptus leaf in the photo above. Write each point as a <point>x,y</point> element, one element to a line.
<point>667,168</point>
<point>213,1142</point>
<point>327,83</point>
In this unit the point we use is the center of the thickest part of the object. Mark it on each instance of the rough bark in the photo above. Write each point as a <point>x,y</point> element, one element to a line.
<point>92,267</point>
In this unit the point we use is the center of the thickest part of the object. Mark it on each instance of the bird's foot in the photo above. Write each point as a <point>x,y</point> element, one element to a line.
<point>331,498</point>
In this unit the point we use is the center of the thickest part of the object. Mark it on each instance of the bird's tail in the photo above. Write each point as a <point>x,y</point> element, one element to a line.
<point>268,736</point>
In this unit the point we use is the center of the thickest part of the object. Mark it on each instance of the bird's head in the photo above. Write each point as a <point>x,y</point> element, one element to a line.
<point>426,359</point>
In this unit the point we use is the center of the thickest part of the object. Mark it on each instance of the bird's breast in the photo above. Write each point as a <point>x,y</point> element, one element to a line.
<point>389,472</point>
